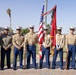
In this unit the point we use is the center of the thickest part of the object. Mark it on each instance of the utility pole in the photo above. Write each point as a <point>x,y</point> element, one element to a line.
<point>46,5</point>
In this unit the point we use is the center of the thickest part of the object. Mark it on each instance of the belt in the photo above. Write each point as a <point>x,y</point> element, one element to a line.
<point>71,44</point>
<point>31,44</point>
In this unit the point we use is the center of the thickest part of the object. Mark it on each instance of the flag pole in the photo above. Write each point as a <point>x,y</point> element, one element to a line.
<point>46,4</point>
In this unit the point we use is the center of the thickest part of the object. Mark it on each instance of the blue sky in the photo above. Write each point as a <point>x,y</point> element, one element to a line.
<point>26,12</point>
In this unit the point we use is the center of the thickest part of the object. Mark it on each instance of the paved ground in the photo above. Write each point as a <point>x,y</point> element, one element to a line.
<point>43,71</point>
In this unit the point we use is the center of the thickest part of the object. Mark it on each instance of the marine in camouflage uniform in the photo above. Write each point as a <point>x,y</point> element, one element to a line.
<point>18,42</point>
<point>6,43</point>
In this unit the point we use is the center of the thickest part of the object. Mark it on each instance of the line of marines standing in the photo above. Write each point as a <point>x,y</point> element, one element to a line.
<point>27,45</point>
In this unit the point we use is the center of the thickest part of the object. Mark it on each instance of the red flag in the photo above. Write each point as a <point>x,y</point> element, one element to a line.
<point>40,33</point>
<point>53,28</point>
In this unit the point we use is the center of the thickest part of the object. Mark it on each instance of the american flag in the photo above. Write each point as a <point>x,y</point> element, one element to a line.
<point>40,33</point>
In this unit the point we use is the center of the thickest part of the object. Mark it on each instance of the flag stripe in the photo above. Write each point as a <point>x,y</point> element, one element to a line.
<point>40,33</point>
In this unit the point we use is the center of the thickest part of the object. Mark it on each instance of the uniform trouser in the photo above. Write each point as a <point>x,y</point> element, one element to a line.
<point>7,53</point>
<point>0,58</point>
<point>75,53</point>
<point>31,50</point>
<point>71,53</point>
<point>16,52</point>
<point>55,57</point>
<point>46,52</point>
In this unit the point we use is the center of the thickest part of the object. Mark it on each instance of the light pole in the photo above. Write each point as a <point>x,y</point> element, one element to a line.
<point>46,4</point>
<point>9,13</point>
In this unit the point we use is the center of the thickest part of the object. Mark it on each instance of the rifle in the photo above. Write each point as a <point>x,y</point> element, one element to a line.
<point>24,59</point>
<point>66,66</point>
